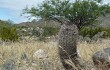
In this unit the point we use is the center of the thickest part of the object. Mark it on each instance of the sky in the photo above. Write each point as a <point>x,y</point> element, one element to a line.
<point>11,9</point>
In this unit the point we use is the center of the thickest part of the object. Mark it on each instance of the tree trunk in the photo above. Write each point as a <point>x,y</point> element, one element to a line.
<point>67,45</point>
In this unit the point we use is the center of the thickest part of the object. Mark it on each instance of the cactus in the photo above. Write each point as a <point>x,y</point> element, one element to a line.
<point>67,41</point>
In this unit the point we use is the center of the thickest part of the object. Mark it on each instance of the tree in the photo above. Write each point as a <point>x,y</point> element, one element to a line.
<point>10,22</point>
<point>80,12</point>
<point>73,16</point>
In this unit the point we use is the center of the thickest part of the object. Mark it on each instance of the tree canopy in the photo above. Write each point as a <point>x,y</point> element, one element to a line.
<point>80,12</point>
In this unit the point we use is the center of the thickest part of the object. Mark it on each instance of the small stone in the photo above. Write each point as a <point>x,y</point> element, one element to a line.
<point>40,54</point>
<point>102,57</point>
<point>9,65</point>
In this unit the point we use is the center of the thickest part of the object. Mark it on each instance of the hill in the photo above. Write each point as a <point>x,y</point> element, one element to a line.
<point>4,24</point>
<point>40,23</point>
<point>104,20</point>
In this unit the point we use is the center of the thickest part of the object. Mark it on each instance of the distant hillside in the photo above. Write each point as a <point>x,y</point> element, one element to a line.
<point>40,23</point>
<point>105,22</point>
<point>4,23</point>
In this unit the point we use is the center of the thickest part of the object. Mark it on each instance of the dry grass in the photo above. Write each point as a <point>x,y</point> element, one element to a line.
<point>14,51</point>
<point>88,49</point>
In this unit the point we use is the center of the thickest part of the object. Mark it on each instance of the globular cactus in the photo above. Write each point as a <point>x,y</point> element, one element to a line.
<point>67,44</point>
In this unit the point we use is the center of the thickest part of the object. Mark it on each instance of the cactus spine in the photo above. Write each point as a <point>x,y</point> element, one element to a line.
<point>67,41</point>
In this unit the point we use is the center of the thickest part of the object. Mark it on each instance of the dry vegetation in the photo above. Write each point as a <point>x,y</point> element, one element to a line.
<point>15,50</point>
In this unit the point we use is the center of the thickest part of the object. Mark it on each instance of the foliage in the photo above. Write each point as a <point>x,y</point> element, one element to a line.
<point>35,33</point>
<point>91,31</point>
<point>48,31</point>
<point>107,32</point>
<point>41,38</point>
<point>80,12</point>
<point>5,23</point>
<point>9,34</point>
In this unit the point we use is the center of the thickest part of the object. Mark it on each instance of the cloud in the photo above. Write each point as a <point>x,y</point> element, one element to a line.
<point>18,4</point>
<point>15,8</point>
<point>106,1</point>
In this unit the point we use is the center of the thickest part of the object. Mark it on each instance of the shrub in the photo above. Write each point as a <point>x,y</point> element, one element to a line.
<point>91,31</point>
<point>41,38</point>
<point>48,31</point>
<point>35,33</point>
<point>9,34</point>
<point>107,32</point>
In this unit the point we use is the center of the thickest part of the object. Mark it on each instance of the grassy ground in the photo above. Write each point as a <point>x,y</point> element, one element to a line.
<point>15,50</point>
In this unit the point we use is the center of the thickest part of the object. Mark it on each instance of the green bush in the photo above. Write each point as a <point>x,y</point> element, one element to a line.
<point>41,38</point>
<point>35,33</point>
<point>107,32</point>
<point>91,31</point>
<point>9,34</point>
<point>48,31</point>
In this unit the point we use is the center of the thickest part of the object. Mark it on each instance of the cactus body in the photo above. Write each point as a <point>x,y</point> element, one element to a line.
<point>67,41</point>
